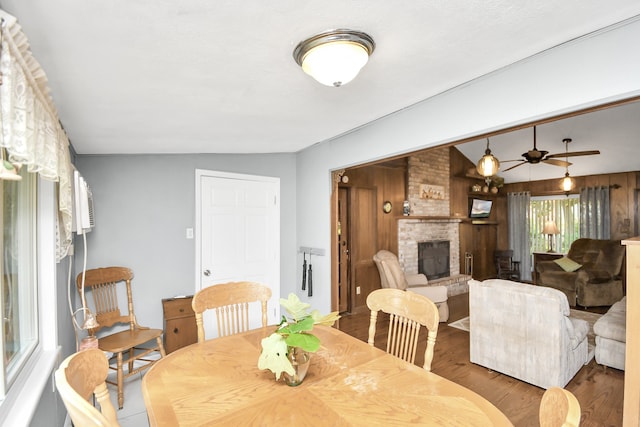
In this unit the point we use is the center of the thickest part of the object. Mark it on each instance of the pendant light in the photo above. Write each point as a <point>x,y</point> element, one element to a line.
<point>335,57</point>
<point>567,182</point>
<point>488,165</point>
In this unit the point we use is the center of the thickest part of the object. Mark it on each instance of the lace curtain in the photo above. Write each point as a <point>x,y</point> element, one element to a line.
<point>595,213</point>
<point>518,213</point>
<point>31,131</point>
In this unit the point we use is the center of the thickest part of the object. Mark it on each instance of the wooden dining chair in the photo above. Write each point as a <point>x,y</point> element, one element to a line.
<point>230,301</point>
<point>559,408</point>
<point>506,267</point>
<point>81,376</point>
<point>407,313</point>
<point>103,284</point>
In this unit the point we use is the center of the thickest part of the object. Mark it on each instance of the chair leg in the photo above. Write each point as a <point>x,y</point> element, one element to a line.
<point>161,346</point>
<point>132,356</point>
<point>120,382</point>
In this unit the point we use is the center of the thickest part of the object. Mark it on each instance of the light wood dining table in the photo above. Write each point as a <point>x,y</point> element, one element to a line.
<point>348,383</point>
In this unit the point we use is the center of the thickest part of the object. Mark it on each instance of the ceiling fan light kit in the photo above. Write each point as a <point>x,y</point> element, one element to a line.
<point>334,57</point>
<point>535,156</point>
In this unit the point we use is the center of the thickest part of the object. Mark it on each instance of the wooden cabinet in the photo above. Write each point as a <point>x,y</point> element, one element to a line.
<point>479,238</point>
<point>542,256</point>
<point>179,323</point>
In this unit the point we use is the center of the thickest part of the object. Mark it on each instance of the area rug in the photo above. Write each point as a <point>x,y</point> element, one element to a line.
<point>463,324</point>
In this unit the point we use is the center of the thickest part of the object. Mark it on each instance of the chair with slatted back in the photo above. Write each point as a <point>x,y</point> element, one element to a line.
<point>230,301</point>
<point>81,376</point>
<point>137,342</point>
<point>408,312</point>
<point>506,267</point>
<point>559,408</point>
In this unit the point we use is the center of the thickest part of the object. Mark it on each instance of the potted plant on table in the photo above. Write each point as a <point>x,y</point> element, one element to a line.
<point>287,349</point>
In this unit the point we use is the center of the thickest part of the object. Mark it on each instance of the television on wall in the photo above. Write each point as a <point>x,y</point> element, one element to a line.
<point>479,208</point>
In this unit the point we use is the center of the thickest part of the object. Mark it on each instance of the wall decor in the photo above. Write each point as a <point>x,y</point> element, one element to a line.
<point>428,191</point>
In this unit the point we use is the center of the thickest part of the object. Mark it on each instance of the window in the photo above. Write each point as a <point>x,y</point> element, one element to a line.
<point>19,276</point>
<point>33,345</point>
<point>565,211</point>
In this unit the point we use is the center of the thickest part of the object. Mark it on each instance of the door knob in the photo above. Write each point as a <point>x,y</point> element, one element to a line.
<point>207,273</point>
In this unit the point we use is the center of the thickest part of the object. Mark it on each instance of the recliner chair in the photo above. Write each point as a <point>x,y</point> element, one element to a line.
<point>392,276</point>
<point>599,277</point>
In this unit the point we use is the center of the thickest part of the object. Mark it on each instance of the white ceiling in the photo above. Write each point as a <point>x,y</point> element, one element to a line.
<point>202,76</point>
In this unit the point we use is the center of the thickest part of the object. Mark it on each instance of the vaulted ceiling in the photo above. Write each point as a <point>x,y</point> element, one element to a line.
<point>200,76</point>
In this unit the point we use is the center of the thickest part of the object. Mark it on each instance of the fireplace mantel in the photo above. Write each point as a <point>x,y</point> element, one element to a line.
<point>430,219</point>
<point>445,219</point>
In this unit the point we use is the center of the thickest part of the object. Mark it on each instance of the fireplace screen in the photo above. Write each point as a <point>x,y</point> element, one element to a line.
<point>433,259</point>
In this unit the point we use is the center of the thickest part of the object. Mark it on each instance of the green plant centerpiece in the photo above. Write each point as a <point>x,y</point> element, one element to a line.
<point>287,349</point>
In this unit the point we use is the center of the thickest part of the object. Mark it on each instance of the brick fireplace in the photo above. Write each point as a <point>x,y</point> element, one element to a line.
<point>429,218</point>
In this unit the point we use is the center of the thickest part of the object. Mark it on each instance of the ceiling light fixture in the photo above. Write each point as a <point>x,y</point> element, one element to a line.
<point>335,57</point>
<point>488,165</point>
<point>567,181</point>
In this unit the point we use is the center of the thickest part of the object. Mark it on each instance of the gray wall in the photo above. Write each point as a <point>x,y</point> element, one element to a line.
<point>143,206</point>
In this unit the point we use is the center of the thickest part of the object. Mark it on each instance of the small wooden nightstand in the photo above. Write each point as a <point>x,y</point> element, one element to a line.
<point>542,256</point>
<point>179,323</point>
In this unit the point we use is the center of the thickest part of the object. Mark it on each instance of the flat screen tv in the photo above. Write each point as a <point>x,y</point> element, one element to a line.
<point>479,208</point>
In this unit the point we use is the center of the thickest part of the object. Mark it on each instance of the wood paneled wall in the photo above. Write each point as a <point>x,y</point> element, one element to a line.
<point>625,187</point>
<point>388,183</point>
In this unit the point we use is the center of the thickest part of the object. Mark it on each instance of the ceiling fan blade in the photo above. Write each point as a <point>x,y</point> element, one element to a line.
<point>556,162</point>
<point>512,160</point>
<point>574,154</point>
<point>513,167</point>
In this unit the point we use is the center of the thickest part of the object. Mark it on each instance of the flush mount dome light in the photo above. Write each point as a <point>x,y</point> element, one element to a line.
<point>335,57</point>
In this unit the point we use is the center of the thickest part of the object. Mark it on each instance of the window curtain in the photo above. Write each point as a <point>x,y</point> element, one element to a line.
<point>31,131</point>
<point>518,211</point>
<point>595,213</point>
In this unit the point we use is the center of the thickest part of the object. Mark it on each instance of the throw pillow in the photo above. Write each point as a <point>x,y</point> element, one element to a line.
<point>567,264</point>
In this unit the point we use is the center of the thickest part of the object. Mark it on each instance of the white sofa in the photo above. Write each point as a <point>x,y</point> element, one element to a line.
<point>525,331</point>
<point>611,338</point>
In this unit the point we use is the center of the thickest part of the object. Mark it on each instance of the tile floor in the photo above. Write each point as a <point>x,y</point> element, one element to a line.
<point>134,413</point>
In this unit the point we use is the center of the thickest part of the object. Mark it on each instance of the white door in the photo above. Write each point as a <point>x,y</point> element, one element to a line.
<point>238,236</point>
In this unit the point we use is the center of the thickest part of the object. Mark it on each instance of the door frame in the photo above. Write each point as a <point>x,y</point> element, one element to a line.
<point>336,176</point>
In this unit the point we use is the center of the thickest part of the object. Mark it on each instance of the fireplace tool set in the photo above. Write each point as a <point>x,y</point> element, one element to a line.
<point>307,274</point>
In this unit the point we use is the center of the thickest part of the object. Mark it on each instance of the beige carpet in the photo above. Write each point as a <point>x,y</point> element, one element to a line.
<point>578,314</point>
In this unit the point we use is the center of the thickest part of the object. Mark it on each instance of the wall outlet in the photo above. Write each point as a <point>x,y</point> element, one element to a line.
<point>189,233</point>
<point>357,290</point>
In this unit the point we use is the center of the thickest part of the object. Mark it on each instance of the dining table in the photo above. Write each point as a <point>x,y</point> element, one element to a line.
<point>217,382</point>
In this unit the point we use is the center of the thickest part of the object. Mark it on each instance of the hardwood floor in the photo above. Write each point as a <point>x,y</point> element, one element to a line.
<point>599,390</point>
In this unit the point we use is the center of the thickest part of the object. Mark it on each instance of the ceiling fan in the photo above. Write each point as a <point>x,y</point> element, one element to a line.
<point>536,156</point>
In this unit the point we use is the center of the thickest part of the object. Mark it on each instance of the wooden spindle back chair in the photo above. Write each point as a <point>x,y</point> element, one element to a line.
<point>137,342</point>
<point>81,376</point>
<point>408,312</point>
<point>230,302</point>
<point>506,267</point>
